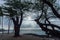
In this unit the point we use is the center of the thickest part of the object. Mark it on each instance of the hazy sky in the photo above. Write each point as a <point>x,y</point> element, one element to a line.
<point>27,23</point>
<point>1,2</point>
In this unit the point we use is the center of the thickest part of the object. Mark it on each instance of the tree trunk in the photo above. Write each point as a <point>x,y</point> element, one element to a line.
<point>2,25</point>
<point>8,26</point>
<point>17,30</point>
<point>17,25</point>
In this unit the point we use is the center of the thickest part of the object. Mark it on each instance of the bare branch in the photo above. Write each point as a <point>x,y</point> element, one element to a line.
<point>53,9</point>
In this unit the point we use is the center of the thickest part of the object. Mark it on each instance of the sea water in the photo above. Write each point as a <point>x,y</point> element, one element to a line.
<point>38,32</point>
<point>30,27</point>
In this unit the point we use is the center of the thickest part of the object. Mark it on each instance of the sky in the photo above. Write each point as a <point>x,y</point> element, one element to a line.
<point>28,23</point>
<point>1,2</point>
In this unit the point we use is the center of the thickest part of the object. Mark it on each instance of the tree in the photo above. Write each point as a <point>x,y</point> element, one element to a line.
<point>52,32</point>
<point>1,14</point>
<point>41,6</point>
<point>9,25</point>
<point>15,10</point>
<point>53,9</point>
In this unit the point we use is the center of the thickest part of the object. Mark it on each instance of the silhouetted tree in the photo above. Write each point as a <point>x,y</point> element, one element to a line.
<point>52,31</point>
<point>8,25</point>
<point>1,15</point>
<point>15,10</point>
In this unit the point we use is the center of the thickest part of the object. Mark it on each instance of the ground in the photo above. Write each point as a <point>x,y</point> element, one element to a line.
<point>24,37</point>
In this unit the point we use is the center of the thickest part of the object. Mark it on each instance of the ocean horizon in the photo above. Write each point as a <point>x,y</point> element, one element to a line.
<point>28,27</point>
<point>26,31</point>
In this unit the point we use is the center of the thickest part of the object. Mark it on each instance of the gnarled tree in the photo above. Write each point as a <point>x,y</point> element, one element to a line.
<point>15,10</point>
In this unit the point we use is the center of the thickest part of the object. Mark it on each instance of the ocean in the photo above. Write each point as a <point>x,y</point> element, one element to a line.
<point>33,31</point>
<point>28,27</point>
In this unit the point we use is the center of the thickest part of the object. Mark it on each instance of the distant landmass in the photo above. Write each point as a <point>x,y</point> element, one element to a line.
<point>2,30</point>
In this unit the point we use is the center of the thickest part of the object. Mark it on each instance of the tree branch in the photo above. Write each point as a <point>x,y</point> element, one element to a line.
<point>53,9</point>
<point>13,21</point>
<point>17,19</point>
<point>21,19</point>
